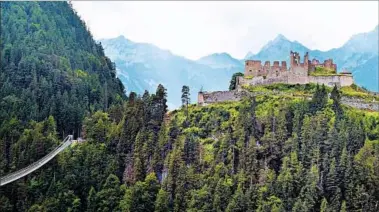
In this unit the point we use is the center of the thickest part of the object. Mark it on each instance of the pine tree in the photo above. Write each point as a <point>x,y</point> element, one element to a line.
<point>109,196</point>
<point>185,98</point>
<point>335,95</point>
<point>238,201</point>
<point>91,200</point>
<point>162,202</point>
<point>222,194</point>
<point>324,205</point>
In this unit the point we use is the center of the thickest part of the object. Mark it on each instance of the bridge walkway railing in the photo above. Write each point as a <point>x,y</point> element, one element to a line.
<point>36,165</point>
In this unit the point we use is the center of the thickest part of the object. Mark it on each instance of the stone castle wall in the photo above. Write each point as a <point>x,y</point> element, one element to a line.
<point>339,80</point>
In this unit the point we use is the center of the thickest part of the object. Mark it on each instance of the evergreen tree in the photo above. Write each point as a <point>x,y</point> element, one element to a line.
<point>91,200</point>
<point>335,95</point>
<point>185,98</point>
<point>162,202</point>
<point>238,201</point>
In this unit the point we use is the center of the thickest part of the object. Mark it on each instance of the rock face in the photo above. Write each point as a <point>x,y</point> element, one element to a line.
<point>205,98</point>
<point>357,103</point>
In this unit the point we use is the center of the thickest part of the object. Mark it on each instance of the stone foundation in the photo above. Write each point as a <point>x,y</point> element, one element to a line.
<point>287,78</point>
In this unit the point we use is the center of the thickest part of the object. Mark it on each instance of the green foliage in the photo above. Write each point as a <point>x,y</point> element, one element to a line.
<point>233,81</point>
<point>162,202</point>
<point>268,153</point>
<point>142,196</point>
<point>108,198</point>
<point>51,65</point>
<point>186,97</point>
<point>322,71</point>
<point>358,92</point>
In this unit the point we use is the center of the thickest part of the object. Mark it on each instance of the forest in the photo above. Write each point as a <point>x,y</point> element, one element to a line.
<point>267,153</point>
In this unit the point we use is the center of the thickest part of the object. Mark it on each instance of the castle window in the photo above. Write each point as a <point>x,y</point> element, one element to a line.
<point>250,70</point>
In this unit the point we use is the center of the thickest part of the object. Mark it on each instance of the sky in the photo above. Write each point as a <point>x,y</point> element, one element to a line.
<point>196,28</point>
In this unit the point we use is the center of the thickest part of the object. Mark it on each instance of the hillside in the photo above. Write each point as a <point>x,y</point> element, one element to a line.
<point>52,66</point>
<point>53,74</point>
<point>269,153</point>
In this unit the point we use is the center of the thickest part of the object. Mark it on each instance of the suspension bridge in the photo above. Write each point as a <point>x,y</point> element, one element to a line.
<point>36,165</point>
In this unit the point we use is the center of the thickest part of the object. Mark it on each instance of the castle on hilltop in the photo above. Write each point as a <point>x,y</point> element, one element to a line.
<point>298,72</point>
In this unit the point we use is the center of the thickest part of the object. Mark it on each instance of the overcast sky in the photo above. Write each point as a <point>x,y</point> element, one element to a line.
<point>195,29</point>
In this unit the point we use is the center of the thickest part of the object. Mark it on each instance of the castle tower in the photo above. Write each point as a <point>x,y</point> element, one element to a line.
<point>284,66</point>
<point>200,98</point>
<point>292,59</point>
<point>297,58</point>
<point>306,61</point>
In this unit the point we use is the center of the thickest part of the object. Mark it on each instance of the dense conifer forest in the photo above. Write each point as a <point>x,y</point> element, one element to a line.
<point>267,153</point>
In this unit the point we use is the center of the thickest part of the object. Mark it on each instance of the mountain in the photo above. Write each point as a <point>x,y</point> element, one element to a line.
<point>220,60</point>
<point>363,42</point>
<point>367,74</point>
<point>142,66</point>
<point>277,49</point>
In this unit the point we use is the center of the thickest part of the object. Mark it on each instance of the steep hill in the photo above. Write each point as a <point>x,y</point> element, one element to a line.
<point>51,65</point>
<point>268,153</point>
<point>52,75</point>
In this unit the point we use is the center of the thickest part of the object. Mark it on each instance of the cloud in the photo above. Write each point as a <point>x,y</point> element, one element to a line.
<point>195,29</point>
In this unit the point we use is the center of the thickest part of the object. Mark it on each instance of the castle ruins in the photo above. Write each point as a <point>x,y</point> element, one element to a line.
<point>297,73</point>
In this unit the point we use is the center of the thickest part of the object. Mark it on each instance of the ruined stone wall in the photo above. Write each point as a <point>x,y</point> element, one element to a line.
<point>255,68</point>
<point>339,80</point>
<point>299,71</point>
<point>200,98</point>
<point>290,78</point>
<point>298,79</point>
<point>261,80</point>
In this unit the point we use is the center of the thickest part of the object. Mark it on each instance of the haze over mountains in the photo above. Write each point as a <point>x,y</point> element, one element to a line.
<point>142,66</point>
